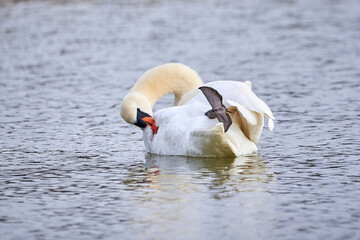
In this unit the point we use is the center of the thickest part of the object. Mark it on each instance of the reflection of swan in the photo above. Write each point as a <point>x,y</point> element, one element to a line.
<point>185,129</point>
<point>224,176</point>
<point>200,195</point>
<point>237,170</point>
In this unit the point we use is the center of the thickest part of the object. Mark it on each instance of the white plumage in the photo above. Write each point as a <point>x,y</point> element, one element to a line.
<point>185,130</point>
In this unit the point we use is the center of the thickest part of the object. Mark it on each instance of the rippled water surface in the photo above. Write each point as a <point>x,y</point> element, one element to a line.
<point>71,168</point>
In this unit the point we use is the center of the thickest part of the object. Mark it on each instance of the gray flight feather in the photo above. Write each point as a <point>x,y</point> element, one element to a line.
<point>218,109</point>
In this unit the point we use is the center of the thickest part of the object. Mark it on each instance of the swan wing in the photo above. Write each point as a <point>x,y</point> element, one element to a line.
<point>248,110</point>
<point>239,92</point>
<point>251,123</point>
<point>249,115</point>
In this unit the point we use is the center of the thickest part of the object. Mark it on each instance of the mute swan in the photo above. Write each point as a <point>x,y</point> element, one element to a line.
<point>194,126</point>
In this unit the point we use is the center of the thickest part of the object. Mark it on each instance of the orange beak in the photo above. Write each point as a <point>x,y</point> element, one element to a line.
<point>151,122</point>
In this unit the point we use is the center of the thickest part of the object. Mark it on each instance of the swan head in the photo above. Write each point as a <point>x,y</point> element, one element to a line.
<point>136,109</point>
<point>170,78</point>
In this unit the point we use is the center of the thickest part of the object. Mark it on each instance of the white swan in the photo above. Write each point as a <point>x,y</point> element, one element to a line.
<point>184,129</point>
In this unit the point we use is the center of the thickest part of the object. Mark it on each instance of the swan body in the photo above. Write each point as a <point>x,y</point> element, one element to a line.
<point>184,129</point>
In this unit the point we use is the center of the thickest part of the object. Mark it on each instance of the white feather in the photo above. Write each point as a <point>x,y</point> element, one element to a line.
<point>271,124</point>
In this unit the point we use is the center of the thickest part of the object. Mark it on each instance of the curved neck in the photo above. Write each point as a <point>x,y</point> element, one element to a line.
<point>170,78</point>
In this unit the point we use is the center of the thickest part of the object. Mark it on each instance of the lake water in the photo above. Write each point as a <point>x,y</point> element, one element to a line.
<point>71,168</point>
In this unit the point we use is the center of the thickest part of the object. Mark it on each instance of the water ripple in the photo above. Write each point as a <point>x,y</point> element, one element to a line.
<point>71,168</point>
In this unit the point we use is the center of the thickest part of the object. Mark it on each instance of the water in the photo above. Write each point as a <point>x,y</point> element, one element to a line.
<point>71,168</point>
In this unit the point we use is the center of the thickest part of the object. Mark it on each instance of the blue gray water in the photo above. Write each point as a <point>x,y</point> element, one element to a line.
<point>71,168</point>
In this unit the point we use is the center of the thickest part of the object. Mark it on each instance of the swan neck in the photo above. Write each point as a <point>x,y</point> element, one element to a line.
<point>171,78</point>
